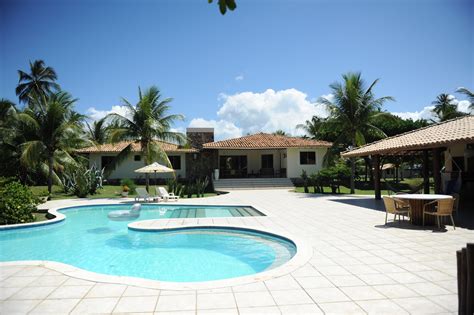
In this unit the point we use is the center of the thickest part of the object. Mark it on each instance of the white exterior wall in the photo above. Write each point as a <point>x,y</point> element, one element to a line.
<point>127,168</point>
<point>295,169</point>
<point>254,159</point>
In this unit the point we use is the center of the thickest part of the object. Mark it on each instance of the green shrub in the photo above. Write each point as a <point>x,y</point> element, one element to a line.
<point>17,204</point>
<point>130,184</point>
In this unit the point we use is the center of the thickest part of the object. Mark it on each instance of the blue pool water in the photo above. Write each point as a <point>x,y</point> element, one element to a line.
<point>87,239</point>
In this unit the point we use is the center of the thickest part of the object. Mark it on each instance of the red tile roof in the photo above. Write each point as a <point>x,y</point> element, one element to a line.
<point>136,147</point>
<point>267,141</point>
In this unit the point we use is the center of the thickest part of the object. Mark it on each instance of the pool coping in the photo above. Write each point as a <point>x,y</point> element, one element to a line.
<point>58,216</point>
<point>303,254</point>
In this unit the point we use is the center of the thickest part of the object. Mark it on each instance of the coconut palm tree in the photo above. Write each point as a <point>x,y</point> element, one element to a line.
<point>52,131</point>
<point>280,132</point>
<point>148,121</point>
<point>97,133</point>
<point>40,81</point>
<point>313,126</point>
<point>469,94</point>
<point>445,108</point>
<point>352,111</point>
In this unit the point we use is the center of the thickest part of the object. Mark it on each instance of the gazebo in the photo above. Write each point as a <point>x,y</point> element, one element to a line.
<point>454,137</point>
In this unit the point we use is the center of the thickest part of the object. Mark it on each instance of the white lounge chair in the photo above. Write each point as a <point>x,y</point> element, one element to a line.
<point>163,193</point>
<point>143,194</point>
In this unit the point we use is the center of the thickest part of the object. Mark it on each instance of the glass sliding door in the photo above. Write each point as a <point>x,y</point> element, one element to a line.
<point>233,166</point>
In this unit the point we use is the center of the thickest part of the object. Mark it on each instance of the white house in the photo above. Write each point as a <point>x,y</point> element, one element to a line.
<point>258,155</point>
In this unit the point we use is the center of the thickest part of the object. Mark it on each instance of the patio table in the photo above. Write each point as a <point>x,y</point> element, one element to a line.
<point>417,203</point>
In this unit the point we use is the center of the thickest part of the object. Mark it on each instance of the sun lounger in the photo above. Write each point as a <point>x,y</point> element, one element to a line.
<point>163,193</point>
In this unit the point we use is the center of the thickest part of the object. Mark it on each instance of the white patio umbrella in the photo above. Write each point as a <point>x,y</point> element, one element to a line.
<point>155,168</point>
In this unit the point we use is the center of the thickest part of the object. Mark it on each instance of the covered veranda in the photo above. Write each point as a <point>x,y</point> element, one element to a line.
<point>449,145</point>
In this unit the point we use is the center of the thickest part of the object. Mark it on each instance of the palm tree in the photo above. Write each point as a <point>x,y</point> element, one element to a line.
<point>352,111</point>
<point>280,132</point>
<point>52,131</point>
<point>469,94</point>
<point>312,127</point>
<point>149,121</point>
<point>40,81</point>
<point>445,108</point>
<point>9,139</point>
<point>98,132</point>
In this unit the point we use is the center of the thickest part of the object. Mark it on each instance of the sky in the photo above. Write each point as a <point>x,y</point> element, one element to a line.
<point>261,67</point>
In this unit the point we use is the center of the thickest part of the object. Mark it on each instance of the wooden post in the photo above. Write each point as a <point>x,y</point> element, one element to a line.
<point>426,174</point>
<point>437,170</point>
<point>465,264</point>
<point>470,278</point>
<point>376,163</point>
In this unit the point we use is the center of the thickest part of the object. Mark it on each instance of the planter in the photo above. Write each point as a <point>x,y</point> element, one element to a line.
<point>124,193</point>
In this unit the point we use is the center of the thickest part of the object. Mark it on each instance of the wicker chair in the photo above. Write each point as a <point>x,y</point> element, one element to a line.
<point>456,198</point>
<point>395,206</point>
<point>443,208</point>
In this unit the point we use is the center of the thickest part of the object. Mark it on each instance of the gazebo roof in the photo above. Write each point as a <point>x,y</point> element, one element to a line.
<point>458,130</point>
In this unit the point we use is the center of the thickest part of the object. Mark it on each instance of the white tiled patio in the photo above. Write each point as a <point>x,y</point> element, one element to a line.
<point>358,266</point>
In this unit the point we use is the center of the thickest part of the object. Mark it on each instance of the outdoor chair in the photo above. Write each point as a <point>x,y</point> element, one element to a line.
<point>163,193</point>
<point>456,198</point>
<point>442,208</point>
<point>395,206</point>
<point>143,194</point>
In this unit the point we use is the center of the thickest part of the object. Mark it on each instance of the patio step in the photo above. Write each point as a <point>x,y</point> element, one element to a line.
<point>253,183</point>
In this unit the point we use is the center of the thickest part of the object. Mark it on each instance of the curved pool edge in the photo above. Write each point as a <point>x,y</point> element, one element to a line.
<point>304,252</point>
<point>59,217</point>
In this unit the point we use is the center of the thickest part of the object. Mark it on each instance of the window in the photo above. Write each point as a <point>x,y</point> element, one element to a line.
<point>307,158</point>
<point>175,161</point>
<point>106,160</point>
<point>137,158</point>
<point>267,160</point>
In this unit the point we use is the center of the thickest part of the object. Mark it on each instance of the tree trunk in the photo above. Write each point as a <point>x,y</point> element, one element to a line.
<point>146,162</point>
<point>353,167</point>
<point>50,173</point>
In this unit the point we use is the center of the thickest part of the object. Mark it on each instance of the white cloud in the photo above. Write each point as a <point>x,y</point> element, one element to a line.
<point>96,114</point>
<point>240,77</point>
<point>250,112</point>
<point>426,112</point>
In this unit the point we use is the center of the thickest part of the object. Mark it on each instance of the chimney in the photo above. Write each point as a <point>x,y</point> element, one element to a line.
<point>198,136</point>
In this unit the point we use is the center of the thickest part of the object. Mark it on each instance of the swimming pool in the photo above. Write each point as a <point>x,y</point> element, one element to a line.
<point>87,239</point>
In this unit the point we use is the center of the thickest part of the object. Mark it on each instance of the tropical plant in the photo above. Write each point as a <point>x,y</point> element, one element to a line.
<point>313,127</point>
<point>225,5</point>
<point>9,139</point>
<point>445,108</point>
<point>52,131</point>
<point>280,132</point>
<point>39,82</point>
<point>17,203</point>
<point>352,111</point>
<point>201,185</point>
<point>97,133</point>
<point>305,178</point>
<point>81,181</point>
<point>148,122</point>
<point>469,94</point>
<point>130,184</point>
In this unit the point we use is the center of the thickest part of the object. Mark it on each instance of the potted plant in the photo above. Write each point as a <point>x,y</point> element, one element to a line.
<point>125,190</point>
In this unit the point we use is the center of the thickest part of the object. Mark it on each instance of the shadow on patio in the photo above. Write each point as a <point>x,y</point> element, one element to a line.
<point>463,219</point>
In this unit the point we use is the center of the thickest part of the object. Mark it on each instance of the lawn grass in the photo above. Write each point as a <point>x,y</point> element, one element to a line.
<point>108,191</point>
<point>408,182</point>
